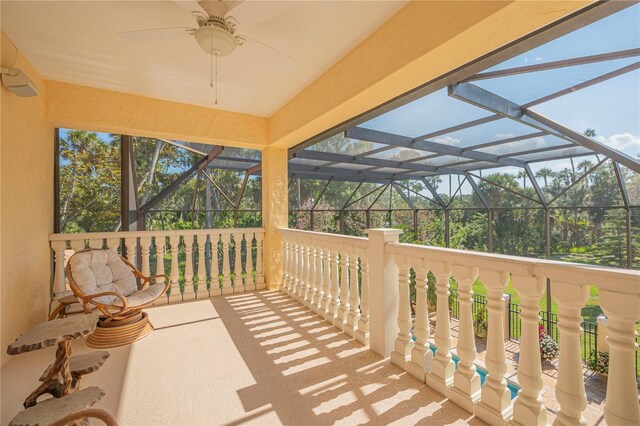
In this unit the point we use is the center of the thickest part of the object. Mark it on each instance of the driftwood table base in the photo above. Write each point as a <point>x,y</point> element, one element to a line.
<point>67,409</point>
<point>58,380</point>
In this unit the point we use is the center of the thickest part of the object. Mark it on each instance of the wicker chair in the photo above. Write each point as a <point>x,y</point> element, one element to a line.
<point>104,280</point>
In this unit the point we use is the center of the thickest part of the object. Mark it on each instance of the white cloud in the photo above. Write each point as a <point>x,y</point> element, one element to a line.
<point>447,140</point>
<point>621,141</point>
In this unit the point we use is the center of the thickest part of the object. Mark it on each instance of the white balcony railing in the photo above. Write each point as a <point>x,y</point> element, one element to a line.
<point>322,270</point>
<point>199,263</point>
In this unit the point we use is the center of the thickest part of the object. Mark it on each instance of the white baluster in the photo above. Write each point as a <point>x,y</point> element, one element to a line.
<point>260,284</point>
<point>311,292</point>
<point>295,268</point>
<point>570,391</point>
<point>238,286</point>
<point>343,308</point>
<point>203,293</point>
<point>622,310</point>
<point>421,354</point>
<point>113,244</point>
<point>304,291</point>
<point>189,293</point>
<point>495,399</point>
<point>131,243</point>
<point>326,282</point>
<point>78,245</point>
<point>466,381</point>
<point>318,281</point>
<point>287,276</point>
<point>226,265</point>
<point>354,298</point>
<point>174,293</point>
<point>145,243</point>
<point>403,344</point>
<point>96,243</point>
<point>215,269</point>
<point>528,408</point>
<point>334,303</point>
<point>250,280</point>
<point>160,243</point>
<point>362,333</point>
<point>440,378</point>
<point>59,284</point>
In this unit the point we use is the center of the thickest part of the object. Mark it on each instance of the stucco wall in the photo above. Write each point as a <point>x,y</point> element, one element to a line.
<point>87,108</point>
<point>26,204</point>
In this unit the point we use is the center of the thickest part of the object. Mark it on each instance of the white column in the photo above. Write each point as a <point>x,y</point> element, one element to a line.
<point>160,244</point>
<point>260,284</point>
<point>466,381</point>
<point>59,284</point>
<point>131,244</point>
<point>250,280</point>
<point>353,315</point>
<point>174,294</point>
<point>302,272</point>
<point>189,293</point>
<point>214,284</point>
<point>362,333</point>
<point>495,400</point>
<point>226,264</point>
<point>343,308</point>
<point>440,378</point>
<point>203,293</point>
<point>383,291</point>
<point>622,310</point>
<point>290,267</point>
<point>421,354</point>
<point>319,280</point>
<point>295,268</point>
<point>326,282</point>
<point>570,391</point>
<point>403,344</point>
<point>113,244</point>
<point>284,286</point>
<point>334,303</point>
<point>78,245</point>
<point>96,243</point>
<point>145,247</point>
<point>238,286</point>
<point>311,288</point>
<point>528,408</point>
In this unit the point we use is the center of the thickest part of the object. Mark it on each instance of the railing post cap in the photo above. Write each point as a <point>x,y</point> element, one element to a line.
<point>601,319</point>
<point>383,231</point>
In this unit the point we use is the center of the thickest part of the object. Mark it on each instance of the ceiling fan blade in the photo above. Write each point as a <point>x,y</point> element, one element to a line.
<point>191,6</point>
<point>155,34</point>
<point>219,7</point>
<point>268,47</point>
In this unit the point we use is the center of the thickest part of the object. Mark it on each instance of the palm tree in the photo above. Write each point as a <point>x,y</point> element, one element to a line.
<point>544,173</point>
<point>522,174</point>
<point>584,167</point>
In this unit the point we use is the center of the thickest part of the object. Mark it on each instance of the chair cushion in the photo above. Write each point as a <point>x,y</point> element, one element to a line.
<point>97,271</point>
<point>145,295</point>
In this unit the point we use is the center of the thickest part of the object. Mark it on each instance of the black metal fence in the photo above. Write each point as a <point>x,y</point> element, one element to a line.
<point>479,302</point>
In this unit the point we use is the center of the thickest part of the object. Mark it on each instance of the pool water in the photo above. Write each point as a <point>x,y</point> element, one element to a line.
<point>513,388</point>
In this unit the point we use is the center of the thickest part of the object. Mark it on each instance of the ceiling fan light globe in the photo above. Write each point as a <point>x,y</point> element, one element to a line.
<point>215,40</point>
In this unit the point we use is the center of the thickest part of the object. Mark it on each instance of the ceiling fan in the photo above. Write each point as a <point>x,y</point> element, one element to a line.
<point>215,34</point>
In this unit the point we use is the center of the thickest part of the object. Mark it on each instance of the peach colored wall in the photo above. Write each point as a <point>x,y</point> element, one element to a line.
<point>81,107</point>
<point>26,204</point>
<point>424,40</point>
<point>275,210</point>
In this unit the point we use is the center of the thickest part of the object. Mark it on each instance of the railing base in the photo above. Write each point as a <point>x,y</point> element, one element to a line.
<point>416,371</point>
<point>438,384</point>
<point>463,399</point>
<point>492,416</point>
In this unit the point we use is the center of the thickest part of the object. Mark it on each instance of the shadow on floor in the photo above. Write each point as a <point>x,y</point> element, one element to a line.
<point>310,373</point>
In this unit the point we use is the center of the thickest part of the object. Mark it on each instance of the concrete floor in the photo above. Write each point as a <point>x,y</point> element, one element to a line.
<point>255,358</point>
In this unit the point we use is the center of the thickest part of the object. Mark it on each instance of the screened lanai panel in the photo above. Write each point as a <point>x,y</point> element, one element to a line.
<point>613,33</point>
<point>524,146</point>
<point>400,154</point>
<point>338,144</point>
<point>431,113</point>
<point>482,134</point>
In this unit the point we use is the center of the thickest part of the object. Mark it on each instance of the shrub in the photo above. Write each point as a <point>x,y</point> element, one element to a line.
<point>480,325</point>
<point>598,361</point>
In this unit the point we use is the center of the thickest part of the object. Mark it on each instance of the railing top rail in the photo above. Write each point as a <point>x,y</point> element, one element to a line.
<point>607,278</point>
<point>356,242</point>
<point>138,234</point>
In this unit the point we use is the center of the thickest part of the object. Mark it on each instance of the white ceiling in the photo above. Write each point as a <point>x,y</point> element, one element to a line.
<point>78,42</point>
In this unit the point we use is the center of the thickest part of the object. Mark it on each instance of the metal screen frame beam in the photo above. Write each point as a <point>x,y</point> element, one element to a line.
<point>481,194</point>
<point>404,196</point>
<point>483,98</point>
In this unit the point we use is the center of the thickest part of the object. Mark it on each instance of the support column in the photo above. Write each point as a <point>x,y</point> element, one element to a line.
<point>623,310</point>
<point>275,208</point>
<point>383,291</point>
<point>570,391</point>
